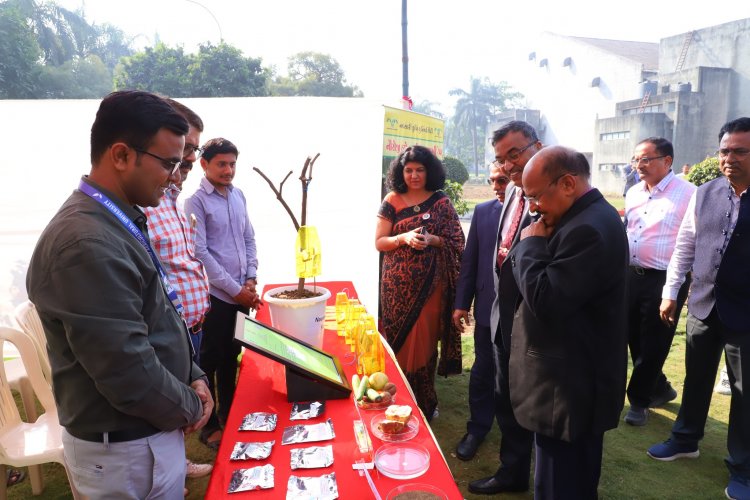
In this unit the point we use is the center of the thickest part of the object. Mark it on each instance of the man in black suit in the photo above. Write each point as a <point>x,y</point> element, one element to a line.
<point>515,143</point>
<point>568,357</point>
<point>475,284</point>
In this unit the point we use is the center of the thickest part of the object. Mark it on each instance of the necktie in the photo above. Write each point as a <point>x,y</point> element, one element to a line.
<point>515,222</point>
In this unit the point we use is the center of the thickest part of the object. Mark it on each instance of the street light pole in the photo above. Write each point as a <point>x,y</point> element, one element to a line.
<point>404,51</point>
<point>221,37</point>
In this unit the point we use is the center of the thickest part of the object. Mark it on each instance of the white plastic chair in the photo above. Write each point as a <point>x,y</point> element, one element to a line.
<point>19,382</point>
<point>28,319</point>
<point>28,444</point>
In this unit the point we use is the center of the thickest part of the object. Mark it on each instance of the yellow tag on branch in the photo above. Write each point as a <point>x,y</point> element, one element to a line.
<point>308,252</point>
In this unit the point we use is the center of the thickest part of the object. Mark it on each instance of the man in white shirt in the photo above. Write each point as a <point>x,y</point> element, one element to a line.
<point>713,242</point>
<point>654,209</point>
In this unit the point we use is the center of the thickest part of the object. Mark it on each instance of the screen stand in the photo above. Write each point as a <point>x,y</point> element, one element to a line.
<point>301,388</point>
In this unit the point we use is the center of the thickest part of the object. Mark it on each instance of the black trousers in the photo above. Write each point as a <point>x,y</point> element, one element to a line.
<point>568,471</point>
<point>705,341</point>
<point>515,442</point>
<point>482,384</point>
<point>648,337</point>
<point>218,358</point>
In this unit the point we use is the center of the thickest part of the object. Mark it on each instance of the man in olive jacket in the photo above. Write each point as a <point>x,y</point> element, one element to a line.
<point>568,355</point>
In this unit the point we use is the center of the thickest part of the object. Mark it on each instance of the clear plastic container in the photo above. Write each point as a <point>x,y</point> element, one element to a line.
<point>402,460</point>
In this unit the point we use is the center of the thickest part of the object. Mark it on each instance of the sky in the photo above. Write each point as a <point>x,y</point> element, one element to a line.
<point>449,41</point>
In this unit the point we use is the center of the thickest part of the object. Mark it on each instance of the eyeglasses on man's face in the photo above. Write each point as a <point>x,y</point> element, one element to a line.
<point>190,149</point>
<point>535,199</point>
<point>514,154</point>
<point>501,181</point>
<point>739,153</point>
<point>170,166</point>
<point>645,160</point>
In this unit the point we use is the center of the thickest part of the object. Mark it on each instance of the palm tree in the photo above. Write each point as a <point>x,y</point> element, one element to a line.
<point>62,34</point>
<point>475,108</point>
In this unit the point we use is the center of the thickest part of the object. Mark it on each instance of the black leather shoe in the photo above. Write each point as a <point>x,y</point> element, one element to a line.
<point>669,394</point>
<point>496,484</point>
<point>468,446</point>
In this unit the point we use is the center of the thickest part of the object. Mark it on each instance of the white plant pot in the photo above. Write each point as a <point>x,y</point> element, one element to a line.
<point>300,318</point>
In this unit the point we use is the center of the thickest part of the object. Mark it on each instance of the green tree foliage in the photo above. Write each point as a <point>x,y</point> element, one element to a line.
<point>313,74</point>
<point>216,71</point>
<point>427,108</point>
<point>110,44</point>
<point>19,53</point>
<point>474,110</point>
<point>54,53</point>
<point>79,78</point>
<point>705,171</point>
<point>62,34</point>
<point>455,170</point>
<point>222,71</point>
<point>455,192</point>
<point>157,69</point>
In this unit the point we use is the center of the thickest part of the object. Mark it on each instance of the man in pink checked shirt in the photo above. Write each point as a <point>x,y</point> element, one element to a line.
<point>654,209</point>
<point>173,238</point>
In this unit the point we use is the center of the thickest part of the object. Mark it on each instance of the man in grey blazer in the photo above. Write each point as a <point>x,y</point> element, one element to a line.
<point>515,143</point>
<point>475,284</point>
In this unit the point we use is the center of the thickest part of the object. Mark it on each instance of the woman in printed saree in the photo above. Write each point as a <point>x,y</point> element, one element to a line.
<point>420,237</point>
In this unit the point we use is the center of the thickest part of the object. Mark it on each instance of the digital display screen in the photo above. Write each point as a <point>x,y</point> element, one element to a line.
<point>286,348</point>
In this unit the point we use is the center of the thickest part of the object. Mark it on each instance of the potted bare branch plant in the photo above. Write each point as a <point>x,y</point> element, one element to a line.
<point>299,310</point>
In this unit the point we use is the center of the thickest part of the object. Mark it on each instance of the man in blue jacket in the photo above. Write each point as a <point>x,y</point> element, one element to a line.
<point>475,284</point>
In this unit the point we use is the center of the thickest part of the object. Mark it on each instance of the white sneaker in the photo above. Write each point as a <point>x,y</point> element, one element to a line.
<point>198,470</point>
<point>722,386</point>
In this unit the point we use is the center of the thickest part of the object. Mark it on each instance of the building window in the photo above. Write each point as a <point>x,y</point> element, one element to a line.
<point>615,136</point>
<point>671,106</point>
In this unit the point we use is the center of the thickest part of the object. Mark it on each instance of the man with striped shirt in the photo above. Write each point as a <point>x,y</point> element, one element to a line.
<point>173,238</point>
<point>654,209</point>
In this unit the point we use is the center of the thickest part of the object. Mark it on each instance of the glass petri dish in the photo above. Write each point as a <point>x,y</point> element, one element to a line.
<point>416,491</point>
<point>402,460</point>
<point>410,430</point>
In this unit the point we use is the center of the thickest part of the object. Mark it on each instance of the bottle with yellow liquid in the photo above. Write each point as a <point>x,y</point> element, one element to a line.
<point>370,351</point>
<point>342,304</point>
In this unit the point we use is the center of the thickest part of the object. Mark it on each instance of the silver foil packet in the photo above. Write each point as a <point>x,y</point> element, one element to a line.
<point>255,478</point>
<point>312,458</point>
<point>308,433</point>
<point>251,451</point>
<point>259,421</point>
<point>306,411</point>
<point>309,488</point>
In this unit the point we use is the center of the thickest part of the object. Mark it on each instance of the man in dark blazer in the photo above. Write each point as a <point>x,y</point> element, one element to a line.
<point>515,143</point>
<point>568,357</point>
<point>475,284</point>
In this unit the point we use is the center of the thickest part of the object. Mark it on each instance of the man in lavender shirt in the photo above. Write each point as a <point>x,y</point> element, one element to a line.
<point>225,242</point>
<point>654,209</point>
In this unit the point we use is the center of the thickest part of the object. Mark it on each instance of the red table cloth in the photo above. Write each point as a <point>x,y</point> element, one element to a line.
<point>261,387</point>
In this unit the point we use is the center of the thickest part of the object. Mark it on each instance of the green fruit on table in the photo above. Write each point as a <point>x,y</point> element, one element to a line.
<point>378,380</point>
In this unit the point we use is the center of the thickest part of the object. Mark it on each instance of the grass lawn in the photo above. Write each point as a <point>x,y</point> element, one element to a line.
<point>627,472</point>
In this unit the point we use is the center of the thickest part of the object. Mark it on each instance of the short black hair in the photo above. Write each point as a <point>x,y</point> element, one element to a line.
<point>218,146</point>
<point>191,116</point>
<point>133,117</point>
<point>562,160</point>
<point>738,125</point>
<point>515,126</point>
<point>663,146</point>
<point>417,154</point>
